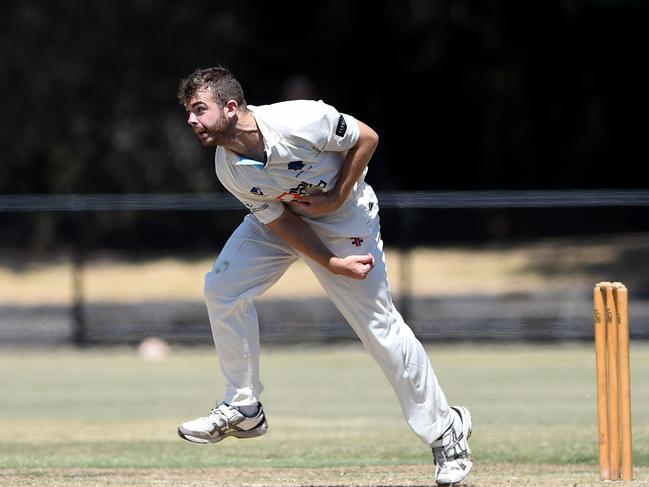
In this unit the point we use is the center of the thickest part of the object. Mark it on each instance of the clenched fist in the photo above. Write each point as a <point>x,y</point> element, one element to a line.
<point>353,266</point>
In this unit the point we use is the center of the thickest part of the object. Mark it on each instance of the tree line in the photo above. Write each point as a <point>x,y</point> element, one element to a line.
<point>465,95</point>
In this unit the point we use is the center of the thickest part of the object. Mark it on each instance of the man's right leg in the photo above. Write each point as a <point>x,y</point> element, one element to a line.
<point>251,261</point>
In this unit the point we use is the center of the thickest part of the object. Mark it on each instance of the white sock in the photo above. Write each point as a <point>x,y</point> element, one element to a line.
<point>445,438</point>
<point>249,411</point>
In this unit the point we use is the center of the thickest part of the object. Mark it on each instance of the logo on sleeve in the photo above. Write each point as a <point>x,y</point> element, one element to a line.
<point>295,165</point>
<point>257,191</point>
<point>342,127</point>
<point>254,209</point>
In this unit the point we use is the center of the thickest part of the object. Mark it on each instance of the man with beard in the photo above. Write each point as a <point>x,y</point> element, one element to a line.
<point>299,167</point>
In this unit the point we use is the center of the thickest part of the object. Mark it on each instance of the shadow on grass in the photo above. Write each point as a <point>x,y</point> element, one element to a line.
<point>624,260</point>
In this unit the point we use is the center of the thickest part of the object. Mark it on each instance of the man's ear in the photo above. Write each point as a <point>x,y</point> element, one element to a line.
<point>230,108</point>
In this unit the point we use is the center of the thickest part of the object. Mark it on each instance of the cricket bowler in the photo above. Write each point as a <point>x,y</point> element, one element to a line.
<point>299,167</point>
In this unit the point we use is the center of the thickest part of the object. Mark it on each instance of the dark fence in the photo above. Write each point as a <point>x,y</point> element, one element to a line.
<point>387,199</point>
<point>539,316</point>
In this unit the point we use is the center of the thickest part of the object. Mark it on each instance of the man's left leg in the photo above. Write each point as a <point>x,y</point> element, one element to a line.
<point>367,305</point>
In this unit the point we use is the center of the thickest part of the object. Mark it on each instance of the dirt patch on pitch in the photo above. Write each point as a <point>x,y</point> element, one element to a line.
<point>383,476</point>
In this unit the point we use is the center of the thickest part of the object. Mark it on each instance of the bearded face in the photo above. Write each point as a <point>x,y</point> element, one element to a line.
<point>208,120</point>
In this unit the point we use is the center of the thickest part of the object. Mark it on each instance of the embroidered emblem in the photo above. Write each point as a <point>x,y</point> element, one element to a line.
<point>342,127</point>
<point>357,241</point>
<point>221,267</point>
<point>255,209</point>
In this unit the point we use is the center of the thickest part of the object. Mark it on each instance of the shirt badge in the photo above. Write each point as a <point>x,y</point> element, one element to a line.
<point>342,127</point>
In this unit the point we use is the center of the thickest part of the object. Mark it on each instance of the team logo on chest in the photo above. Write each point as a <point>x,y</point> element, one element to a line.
<point>357,241</point>
<point>257,191</point>
<point>300,190</point>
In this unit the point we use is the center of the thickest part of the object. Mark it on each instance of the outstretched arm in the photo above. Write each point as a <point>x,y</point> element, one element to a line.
<point>353,166</point>
<point>302,238</point>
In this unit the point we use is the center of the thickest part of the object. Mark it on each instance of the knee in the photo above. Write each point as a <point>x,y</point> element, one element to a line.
<point>217,289</point>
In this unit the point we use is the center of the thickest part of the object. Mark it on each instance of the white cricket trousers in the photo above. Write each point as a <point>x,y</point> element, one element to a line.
<point>254,258</point>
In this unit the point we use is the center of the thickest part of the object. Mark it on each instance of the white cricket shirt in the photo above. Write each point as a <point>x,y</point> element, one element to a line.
<point>305,144</point>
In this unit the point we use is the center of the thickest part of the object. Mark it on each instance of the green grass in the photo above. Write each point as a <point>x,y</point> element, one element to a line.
<point>327,407</point>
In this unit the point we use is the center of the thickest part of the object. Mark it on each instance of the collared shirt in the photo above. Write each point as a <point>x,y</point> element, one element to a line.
<point>305,144</point>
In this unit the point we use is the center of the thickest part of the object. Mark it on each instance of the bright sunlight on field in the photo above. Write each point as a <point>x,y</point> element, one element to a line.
<point>82,417</point>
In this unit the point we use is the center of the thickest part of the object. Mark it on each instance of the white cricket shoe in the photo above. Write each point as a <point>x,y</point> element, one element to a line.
<point>223,421</point>
<point>451,452</point>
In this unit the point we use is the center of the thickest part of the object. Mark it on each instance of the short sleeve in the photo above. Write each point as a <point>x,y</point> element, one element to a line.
<point>342,133</point>
<point>313,122</point>
<point>265,211</point>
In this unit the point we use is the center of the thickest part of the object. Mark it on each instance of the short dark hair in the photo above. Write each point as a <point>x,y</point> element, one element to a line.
<point>218,81</point>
